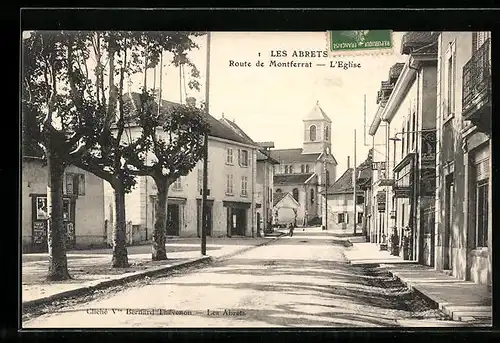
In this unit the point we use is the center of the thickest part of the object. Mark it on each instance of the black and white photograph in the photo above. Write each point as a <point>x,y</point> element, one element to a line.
<point>226,179</point>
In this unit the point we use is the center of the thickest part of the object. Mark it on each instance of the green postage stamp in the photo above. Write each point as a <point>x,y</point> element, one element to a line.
<point>360,42</point>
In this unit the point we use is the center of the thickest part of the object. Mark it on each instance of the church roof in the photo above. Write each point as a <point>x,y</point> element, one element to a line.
<point>288,179</point>
<point>317,113</point>
<point>293,155</point>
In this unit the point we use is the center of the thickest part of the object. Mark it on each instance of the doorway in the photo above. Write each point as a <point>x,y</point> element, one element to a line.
<point>237,221</point>
<point>173,223</point>
<point>447,239</point>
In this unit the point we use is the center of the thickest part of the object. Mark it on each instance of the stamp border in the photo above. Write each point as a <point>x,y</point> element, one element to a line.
<point>358,53</point>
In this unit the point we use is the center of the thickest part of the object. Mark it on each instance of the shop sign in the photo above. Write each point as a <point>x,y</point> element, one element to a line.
<point>401,192</point>
<point>386,182</point>
<point>378,165</point>
<point>381,200</point>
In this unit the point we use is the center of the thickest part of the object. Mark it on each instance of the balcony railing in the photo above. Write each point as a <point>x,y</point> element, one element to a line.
<point>476,92</point>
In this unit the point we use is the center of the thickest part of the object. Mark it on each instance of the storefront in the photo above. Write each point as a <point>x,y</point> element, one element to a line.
<point>39,222</point>
<point>237,217</point>
<point>404,193</point>
<point>479,267</point>
<point>175,206</point>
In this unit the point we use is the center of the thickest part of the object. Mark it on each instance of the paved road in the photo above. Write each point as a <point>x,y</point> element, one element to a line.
<point>299,281</point>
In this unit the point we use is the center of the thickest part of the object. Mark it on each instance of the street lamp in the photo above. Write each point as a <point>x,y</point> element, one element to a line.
<point>327,153</point>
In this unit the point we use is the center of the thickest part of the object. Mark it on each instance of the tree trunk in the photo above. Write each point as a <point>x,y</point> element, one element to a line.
<point>56,234</point>
<point>120,258</point>
<point>160,227</point>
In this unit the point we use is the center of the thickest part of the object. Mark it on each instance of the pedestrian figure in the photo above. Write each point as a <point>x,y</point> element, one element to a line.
<point>290,228</point>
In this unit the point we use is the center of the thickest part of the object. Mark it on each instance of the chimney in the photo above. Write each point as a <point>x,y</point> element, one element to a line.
<point>348,162</point>
<point>191,102</point>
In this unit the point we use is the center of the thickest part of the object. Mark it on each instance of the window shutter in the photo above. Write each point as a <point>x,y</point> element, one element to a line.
<point>347,218</point>
<point>81,184</point>
<point>69,184</point>
<point>239,157</point>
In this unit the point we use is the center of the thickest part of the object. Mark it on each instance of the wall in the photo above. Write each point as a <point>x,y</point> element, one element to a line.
<point>89,208</point>
<point>285,211</point>
<point>303,198</point>
<point>343,203</point>
<point>140,212</point>
<point>318,145</point>
<point>450,159</point>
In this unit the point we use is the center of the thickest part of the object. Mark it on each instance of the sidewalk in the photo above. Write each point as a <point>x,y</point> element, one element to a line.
<point>461,300</point>
<point>91,269</point>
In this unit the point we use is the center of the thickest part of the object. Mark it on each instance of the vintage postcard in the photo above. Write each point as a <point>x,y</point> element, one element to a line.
<point>256,179</point>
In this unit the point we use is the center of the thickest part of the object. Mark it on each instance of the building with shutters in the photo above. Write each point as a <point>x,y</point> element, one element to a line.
<point>83,207</point>
<point>463,167</point>
<point>232,170</point>
<point>305,171</point>
<point>409,114</point>
<point>341,199</point>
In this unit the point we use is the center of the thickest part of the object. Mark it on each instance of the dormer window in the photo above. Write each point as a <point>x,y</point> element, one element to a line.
<point>312,133</point>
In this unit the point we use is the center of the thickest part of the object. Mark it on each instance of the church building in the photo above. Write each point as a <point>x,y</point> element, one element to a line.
<point>305,172</point>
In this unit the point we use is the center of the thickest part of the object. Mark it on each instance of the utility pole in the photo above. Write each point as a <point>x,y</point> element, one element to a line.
<point>355,219</point>
<point>326,187</point>
<point>204,217</point>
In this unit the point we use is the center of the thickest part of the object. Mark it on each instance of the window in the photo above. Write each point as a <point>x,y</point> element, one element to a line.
<point>360,217</point>
<point>478,39</point>
<point>295,194</point>
<point>360,199</point>
<point>413,133</point>
<point>340,218</point>
<point>312,133</point>
<point>312,196</point>
<point>75,184</point>
<point>408,136</point>
<point>286,169</point>
<point>229,156</point>
<point>244,186</point>
<point>347,218</point>
<point>482,183</point>
<point>327,133</point>
<point>177,185</point>
<point>307,168</point>
<point>302,169</point>
<point>229,184</point>
<point>403,143</point>
<point>278,190</point>
<point>290,169</point>
<point>244,158</point>
<point>450,81</point>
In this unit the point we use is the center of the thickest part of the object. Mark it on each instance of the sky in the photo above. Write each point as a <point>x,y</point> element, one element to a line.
<point>270,103</point>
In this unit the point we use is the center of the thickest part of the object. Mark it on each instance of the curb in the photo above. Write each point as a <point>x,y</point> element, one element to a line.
<point>121,279</point>
<point>433,301</point>
<point>220,258</point>
<point>126,278</point>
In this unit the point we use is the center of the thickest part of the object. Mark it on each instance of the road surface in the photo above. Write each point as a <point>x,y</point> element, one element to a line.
<point>299,281</point>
